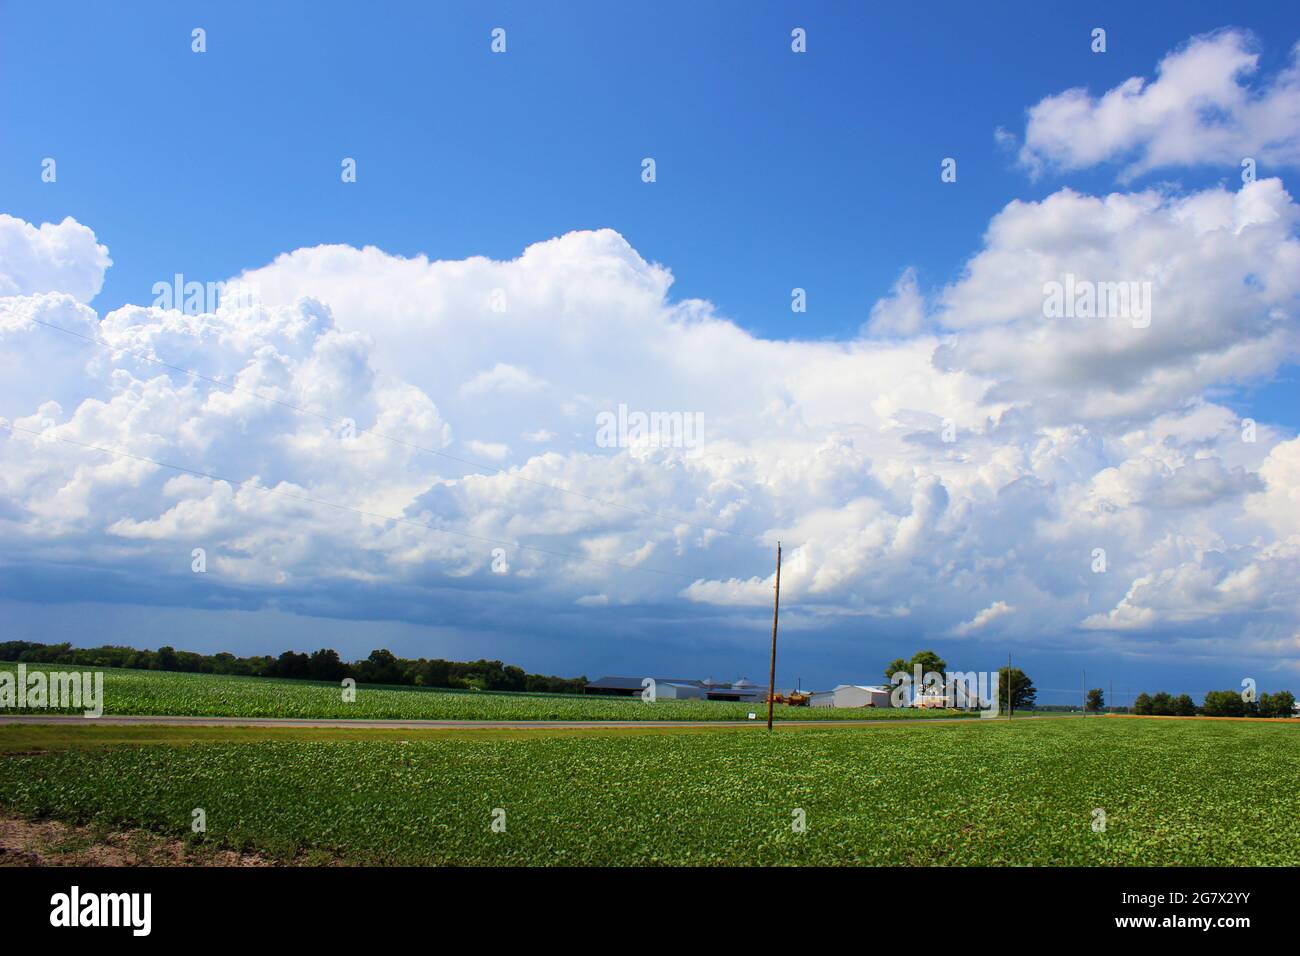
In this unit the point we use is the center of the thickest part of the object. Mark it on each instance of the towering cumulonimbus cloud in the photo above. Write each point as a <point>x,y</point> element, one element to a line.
<point>366,431</point>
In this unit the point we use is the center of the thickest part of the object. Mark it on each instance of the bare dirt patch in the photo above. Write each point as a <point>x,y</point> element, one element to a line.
<point>50,843</point>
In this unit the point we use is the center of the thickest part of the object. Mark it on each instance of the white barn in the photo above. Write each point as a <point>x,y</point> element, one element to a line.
<point>852,695</point>
<point>672,690</point>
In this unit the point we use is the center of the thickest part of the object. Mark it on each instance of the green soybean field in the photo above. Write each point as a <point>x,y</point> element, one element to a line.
<point>1068,791</point>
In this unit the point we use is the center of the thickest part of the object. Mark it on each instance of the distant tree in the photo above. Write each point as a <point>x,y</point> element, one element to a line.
<point>324,664</point>
<point>262,666</point>
<point>381,667</point>
<point>193,663</point>
<point>929,661</point>
<point>898,664</point>
<point>556,685</point>
<point>1224,703</point>
<point>1283,704</point>
<point>436,673</point>
<point>290,665</point>
<point>1162,704</point>
<point>166,660</point>
<point>1021,689</point>
<point>1096,701</point>
<point>14,650</point>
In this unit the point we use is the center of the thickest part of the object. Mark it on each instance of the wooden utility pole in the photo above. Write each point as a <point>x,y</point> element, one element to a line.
<point>776,609</point>
<point>1009,709</point>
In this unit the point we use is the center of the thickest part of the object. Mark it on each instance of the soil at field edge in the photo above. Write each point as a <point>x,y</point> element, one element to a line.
<point>50,843</point>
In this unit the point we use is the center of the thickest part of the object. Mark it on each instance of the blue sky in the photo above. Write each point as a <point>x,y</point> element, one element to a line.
<point>773,171</point>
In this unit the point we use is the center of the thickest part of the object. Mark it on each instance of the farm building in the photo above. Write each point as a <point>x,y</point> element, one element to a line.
<point>678,688</point>
<point>741,690</point>
<point>852,695</point>
<point>633,686</point>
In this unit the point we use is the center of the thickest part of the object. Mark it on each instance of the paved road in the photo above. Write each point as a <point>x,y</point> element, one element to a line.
<point>122,720</point>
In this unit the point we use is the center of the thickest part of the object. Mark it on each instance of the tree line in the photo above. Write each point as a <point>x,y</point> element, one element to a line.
<point>381,667</point>
<point>1218,703</point>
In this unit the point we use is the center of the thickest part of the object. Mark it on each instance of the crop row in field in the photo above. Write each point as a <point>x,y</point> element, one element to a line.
<point>976,792</point>
<point>166,693</point>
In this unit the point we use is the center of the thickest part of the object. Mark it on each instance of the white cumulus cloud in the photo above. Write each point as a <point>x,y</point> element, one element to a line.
<point>962,459</point>
<point>1201,108</point>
